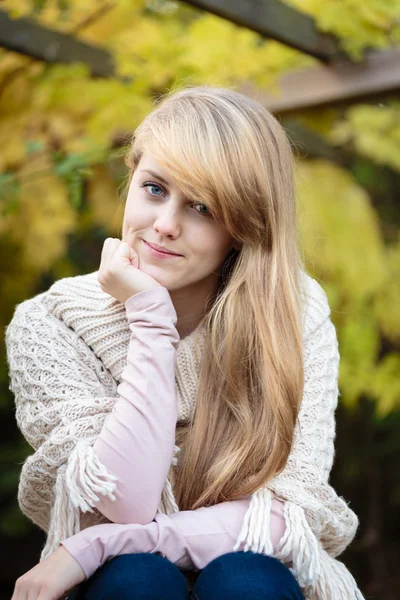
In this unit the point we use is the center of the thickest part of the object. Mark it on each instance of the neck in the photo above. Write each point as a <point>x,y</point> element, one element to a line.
<point>190,309</point>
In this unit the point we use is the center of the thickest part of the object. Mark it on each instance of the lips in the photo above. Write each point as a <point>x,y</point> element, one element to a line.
<point>161,249</point>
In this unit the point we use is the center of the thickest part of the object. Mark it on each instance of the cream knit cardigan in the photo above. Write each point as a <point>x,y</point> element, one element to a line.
<point>67,348</point>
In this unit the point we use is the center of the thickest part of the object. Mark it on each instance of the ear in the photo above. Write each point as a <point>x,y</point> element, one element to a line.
<point>237,245</point>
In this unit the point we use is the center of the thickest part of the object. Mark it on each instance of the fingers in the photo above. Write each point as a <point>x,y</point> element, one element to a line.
<point>114,248</point>
<point>134,258</point>
<point>116,275</point>
<point>109,248</point>
<point>128,252</point>
<point>122,252</point>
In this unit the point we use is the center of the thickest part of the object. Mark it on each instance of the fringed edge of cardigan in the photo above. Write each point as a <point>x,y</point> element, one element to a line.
<point>78,486</point>
<point>319,575</point>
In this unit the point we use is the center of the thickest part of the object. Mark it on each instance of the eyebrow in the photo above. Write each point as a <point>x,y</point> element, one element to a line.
<point>155,175</point>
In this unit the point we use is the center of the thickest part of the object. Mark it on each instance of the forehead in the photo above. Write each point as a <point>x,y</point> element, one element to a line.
<point>148,162</point>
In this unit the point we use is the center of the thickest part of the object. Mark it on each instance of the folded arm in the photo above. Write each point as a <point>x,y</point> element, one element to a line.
<point>137,441</point>
<point>190,539</point>
<point>63,394</point>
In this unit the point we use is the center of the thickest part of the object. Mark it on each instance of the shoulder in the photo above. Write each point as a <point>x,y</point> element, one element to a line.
<point>80,285</point>
<point>315,304</point>
<point>81,288</point>
<point>39,339</point>
<point>37,312</point>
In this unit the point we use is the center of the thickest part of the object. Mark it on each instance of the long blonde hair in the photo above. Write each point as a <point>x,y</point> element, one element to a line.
<point>224,149</point>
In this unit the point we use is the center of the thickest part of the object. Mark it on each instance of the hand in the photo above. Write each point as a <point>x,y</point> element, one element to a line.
<point>51,579</point>
<point>119,273</point>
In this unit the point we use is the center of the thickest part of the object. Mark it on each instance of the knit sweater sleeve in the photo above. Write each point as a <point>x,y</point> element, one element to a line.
<point>305,479</point>
<point>62,395</point>
<point>54,376</point>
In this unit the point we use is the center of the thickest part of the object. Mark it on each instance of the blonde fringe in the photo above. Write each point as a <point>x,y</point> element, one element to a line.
<point>64,519</point>
<point>78,487</point>
<point>86,478</point>
<point>256,525</point>
<point>319,575</point>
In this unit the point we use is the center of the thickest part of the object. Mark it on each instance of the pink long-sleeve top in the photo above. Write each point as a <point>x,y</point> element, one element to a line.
<point>136,445</point>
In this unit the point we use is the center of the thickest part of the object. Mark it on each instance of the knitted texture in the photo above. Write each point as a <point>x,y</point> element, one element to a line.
<point>67,348</point>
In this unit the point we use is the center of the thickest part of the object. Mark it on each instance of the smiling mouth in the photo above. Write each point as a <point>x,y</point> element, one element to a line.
<point>161,252</point>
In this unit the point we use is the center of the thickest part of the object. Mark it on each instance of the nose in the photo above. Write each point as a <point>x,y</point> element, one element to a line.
<point>167,223</point>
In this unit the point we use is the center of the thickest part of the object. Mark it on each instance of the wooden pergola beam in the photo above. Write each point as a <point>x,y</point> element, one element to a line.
<point>308,144</point>
<point>32,39</point>
<point>341,83</point>
<point>276,20</point>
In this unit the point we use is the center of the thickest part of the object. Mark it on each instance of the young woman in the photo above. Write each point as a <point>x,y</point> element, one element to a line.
<point>180,401</point>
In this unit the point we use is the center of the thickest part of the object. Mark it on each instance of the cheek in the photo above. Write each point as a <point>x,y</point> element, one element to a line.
<point>134,218</point>
<point>218,244</point>
<point>211,253</point>
<point>211,241</point>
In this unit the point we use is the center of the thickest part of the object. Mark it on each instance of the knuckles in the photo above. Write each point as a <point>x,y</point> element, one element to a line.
<point>29,582</point>
<point>106,276</point>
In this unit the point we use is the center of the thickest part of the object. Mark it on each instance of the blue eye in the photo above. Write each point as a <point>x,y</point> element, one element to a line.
<point>205,214</point>
<point>152,185</point>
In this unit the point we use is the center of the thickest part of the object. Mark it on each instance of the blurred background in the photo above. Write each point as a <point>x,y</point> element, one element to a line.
<point>77,76</point>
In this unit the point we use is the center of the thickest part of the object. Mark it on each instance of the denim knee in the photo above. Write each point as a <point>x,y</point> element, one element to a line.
<point>135,577</point>
<point>244,576</point>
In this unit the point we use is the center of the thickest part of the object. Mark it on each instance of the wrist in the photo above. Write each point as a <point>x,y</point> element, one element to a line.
<point>156,296</point>
<point>129,293</point>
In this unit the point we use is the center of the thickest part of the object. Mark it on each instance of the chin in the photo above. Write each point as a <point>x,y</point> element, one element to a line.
<point>157,274</point>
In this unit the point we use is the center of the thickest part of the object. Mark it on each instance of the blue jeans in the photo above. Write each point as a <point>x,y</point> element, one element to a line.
<point>232,576</point>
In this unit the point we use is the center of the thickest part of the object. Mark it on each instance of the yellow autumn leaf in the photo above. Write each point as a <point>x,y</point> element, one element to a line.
<point>385,385</point>
<point>105,206</point>
<point>44,218</point>
<point>337,223</point>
